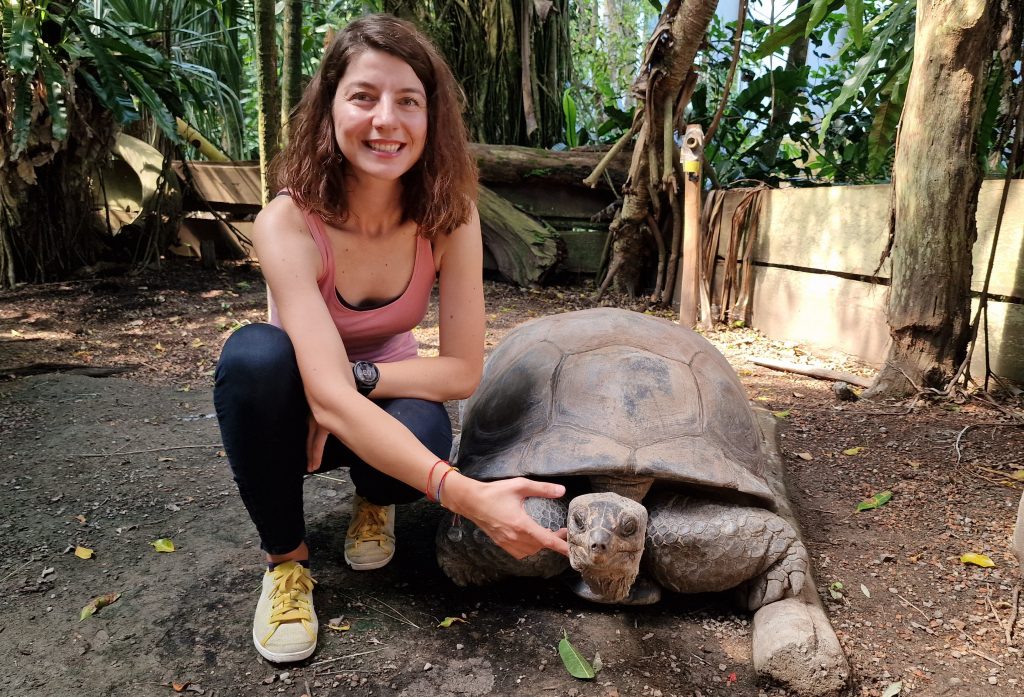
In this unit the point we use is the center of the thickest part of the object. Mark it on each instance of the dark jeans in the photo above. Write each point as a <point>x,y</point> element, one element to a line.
<point>263,416</point>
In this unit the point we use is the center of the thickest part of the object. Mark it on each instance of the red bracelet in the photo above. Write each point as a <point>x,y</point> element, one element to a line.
<point>441,483</point>
<point>430,475</point>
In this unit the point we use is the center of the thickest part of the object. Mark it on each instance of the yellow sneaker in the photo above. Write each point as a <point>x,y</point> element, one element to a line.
<point>285,627</point>
<point>370,540</point>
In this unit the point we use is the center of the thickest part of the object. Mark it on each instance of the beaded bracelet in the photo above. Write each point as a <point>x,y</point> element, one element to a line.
<point>430,475</point>
<point>441,483</point>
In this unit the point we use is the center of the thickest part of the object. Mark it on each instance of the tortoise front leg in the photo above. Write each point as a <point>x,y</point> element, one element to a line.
<point>469,557</point>
<point>696,546</point>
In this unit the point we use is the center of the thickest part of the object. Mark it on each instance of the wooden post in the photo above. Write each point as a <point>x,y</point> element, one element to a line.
<point>689,276</point>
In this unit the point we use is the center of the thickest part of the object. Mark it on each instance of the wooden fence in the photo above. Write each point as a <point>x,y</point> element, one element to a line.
<point>815,279</point>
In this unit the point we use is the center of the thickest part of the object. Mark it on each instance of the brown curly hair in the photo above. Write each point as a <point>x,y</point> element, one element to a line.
<point>438,191</point>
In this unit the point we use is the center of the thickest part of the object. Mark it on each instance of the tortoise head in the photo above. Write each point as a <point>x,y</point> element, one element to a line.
<point>606,542</point>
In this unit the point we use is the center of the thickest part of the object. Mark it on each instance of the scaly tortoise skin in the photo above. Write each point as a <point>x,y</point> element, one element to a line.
<point>650,430</point>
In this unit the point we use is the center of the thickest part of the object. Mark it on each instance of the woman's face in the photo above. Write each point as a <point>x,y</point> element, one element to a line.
<point>380,116</point>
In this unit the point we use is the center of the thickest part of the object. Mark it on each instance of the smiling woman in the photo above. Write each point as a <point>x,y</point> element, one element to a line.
<point>377,190</point>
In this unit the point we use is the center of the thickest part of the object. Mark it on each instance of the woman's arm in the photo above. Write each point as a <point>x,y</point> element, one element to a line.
<point>455,372</point>
<point>291,263</point>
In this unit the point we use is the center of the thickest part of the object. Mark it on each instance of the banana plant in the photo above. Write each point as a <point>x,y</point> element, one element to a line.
<point>49,46</point>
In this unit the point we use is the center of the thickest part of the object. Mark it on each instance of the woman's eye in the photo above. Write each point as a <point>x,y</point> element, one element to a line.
<point>361,97</point>
<point>629,526</point>
<point>411,102</point>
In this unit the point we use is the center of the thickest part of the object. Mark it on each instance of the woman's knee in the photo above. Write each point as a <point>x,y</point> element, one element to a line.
<point>258,357</point>
<point>427,420</point>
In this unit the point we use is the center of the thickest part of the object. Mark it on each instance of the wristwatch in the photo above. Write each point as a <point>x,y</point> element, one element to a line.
<point>366,375</point>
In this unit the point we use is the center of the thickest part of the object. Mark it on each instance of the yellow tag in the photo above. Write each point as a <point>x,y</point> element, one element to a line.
<point>691,166</point>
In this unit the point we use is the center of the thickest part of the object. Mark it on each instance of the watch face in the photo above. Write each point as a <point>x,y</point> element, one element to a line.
<point>366,372</point>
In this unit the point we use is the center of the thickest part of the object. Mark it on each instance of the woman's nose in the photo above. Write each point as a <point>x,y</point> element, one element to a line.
<point>384,115</point>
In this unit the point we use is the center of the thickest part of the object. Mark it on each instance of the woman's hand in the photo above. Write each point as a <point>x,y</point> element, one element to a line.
<point>497,509</point>
<point>315,440</point>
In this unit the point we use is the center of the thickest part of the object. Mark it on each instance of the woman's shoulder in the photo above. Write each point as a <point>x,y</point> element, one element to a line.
<point>279,221</point>
<point>468,233</point>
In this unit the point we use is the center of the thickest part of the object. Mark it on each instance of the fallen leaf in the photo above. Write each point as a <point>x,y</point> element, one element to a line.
<point>853,451</point>
<point>1018,475</point>
<point>805,456</point>
<point>449,621</point>
<point>865,591</point>
<point>875,501</point>
<point>762,398</point>
<point>84,553</point>
<point>597,663</point>
<point>159,347</point>
<point>165,459</point>
<point>192,687</point>
<point>163,545</point>
<point>197,343</point>
<point>893,689</point>
<point>80,519</point>
<point>978,560</point>
<point>573,660</point>
<point>799,395</point>
<point>339,627</point>
<point>836,590</point>
<point>780,414</point>
<point>15,332</point>
<point>179,686</point>
<point>96,604</point>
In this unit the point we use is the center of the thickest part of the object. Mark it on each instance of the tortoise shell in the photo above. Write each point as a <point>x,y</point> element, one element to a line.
<point>614,392</point>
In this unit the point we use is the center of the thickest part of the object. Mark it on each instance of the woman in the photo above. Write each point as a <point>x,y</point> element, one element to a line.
<point>377,198</point>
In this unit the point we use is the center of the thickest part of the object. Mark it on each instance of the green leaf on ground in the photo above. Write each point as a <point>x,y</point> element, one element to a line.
<point>876,501</point>
<point>449,621</point>
<point>853,451</point>
<point>780,414</point>
<point>836,590</point>
<point>96,604</point>
<point>163,545</point>
<point>573,660</point>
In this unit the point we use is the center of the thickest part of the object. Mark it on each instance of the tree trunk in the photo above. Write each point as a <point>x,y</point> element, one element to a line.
<point>268,88</point>
<point>291,70</point>
<point>668,59</point>
<point>935,186</point>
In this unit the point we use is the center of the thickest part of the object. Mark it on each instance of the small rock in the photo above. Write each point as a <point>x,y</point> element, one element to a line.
<point>992,680</point>
<point>427,666</point>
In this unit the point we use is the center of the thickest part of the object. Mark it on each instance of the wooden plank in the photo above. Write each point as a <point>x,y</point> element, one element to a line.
<point>821,310</point>
<point>843,229</point>
<point>225,182</point>
<point>1006,329</point>
<point>583,250</point>
<point>554,201</point>
<point>849,316</point>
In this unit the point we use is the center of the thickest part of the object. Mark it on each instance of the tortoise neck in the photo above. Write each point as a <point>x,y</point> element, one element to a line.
<point>634,488</point>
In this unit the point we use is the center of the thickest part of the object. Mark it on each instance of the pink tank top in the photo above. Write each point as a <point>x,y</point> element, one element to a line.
<point>381,334</point>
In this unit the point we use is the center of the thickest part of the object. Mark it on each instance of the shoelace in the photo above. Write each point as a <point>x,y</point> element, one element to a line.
<point>369,523</point>
<point>287,601</point>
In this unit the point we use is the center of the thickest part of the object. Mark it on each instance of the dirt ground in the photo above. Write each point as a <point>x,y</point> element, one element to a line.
<point>114,463</point>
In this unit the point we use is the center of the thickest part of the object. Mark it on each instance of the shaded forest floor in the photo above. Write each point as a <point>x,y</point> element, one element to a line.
<point>114,463</point>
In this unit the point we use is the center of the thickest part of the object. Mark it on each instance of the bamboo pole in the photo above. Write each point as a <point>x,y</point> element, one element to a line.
<point>690,156</point>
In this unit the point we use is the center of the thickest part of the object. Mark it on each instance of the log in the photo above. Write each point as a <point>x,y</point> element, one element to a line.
<point>513,164</point>
<point>524,249</point>
<point>812,372</point>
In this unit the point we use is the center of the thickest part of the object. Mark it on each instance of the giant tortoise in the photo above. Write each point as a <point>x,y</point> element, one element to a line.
<point>663,460</point>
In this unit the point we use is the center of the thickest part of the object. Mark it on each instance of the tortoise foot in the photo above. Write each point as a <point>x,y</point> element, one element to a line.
<point>642,592</point>
<point>794,645</point>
